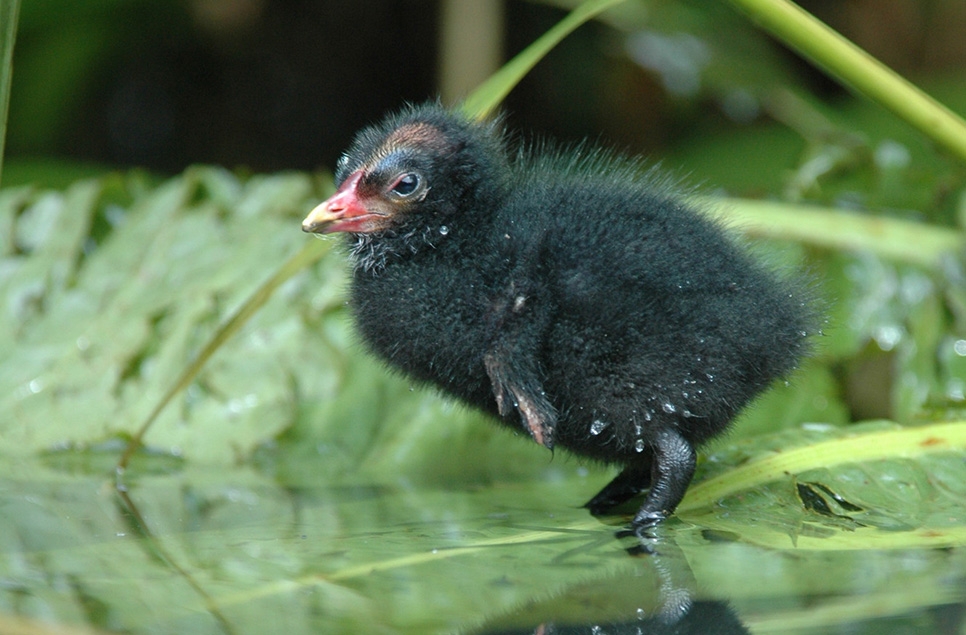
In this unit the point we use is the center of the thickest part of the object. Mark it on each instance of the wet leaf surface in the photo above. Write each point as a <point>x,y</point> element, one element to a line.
<point>192,549</point>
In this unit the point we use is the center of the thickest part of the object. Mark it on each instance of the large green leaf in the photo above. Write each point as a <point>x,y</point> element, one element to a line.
<point>95,333</point>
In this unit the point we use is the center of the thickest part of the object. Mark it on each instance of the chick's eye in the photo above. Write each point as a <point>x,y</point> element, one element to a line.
<point>406,185</point>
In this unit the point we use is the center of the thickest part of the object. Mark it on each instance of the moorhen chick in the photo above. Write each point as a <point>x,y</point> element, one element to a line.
<point>570,293</point>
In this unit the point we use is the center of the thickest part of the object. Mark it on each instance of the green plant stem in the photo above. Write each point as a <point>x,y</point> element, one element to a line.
<point>893,238</point>
<point>9,9</point>
<point>858,70</point>
<point>491,93</point>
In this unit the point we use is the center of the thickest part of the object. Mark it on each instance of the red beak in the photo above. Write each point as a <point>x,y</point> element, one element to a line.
<point>342,212</point>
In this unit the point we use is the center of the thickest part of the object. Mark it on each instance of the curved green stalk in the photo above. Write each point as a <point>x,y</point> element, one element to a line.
<point>8,33</point>
<point>858,70</point>
<point>905,241</point>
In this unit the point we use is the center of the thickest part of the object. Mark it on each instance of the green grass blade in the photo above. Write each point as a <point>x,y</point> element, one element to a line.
<point>8,33</point>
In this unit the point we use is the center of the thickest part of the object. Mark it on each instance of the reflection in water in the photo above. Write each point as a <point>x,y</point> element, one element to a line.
<point>677,584</point>
<point>702,618</point>
<point>663,581</point>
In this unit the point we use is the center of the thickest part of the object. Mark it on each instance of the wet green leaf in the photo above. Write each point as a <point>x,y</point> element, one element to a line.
<point>880,479</point>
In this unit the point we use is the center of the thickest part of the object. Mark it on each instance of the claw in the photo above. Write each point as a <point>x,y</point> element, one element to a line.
<point>540,430</point>
<point>537,414</point>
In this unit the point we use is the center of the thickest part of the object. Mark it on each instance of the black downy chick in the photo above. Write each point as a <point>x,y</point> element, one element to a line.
<point>569,293</point>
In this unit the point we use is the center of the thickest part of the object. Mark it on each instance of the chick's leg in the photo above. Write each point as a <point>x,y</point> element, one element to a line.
<point>671,472</point>
<point>626,485</point>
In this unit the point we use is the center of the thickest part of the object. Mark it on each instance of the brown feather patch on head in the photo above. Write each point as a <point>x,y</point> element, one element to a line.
<point>418,134</point>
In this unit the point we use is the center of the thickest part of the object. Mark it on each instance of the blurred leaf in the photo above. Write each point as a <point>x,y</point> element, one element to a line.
<point>811,394</point>
<point>91,339</point>
<point>699,48</point>
<point>49,173</point>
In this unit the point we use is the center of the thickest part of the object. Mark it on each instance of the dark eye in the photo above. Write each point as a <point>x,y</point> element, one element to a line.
<point>406,184</point>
